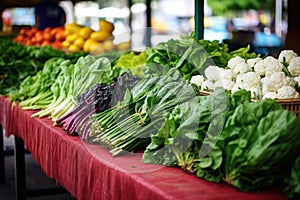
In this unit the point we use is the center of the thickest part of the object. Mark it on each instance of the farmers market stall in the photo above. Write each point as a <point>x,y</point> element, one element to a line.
<point>90,172</point>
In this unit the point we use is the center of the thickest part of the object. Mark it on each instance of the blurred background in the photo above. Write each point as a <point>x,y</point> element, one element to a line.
<point>260,23</point>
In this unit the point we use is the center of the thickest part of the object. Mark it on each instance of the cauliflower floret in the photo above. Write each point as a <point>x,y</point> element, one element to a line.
<point>224,83</point>
<point>208,85</point>
<point>294,66</point>
<point>268,65</point>
<point>260,67</point>
<point>249,80</point>
<point>226,74</point>
<point>241,68</point>
<point>270,95</point>
<point>253,61</point>
<point>287,55</point>
<point>287,92</point>
<point>212,73</point>
<point>197,80</point>
<point>276,81</point>
<point>232,62</point>
<point>272,64</point>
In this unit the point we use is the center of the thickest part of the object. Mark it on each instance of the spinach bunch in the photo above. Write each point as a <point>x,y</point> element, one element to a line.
<point>260,141</point>
<point>249,145</point>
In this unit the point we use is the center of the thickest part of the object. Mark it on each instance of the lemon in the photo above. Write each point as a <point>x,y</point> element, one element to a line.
<point>106,26</point>
<point>87,44</point>
<point>74,47</point>
<point>94,44</point>
<point>65,44</point>
<point>79,42</point>
<point>100,35</point>
<point>72,37</point>
<point>85,32</point>
<point>72,27</point>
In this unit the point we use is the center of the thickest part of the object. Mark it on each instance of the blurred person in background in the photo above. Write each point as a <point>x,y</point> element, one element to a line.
<point>49,14</point>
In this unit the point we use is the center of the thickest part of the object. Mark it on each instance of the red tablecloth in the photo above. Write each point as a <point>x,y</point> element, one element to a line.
<point>89,172</point>
<point>5,106</point>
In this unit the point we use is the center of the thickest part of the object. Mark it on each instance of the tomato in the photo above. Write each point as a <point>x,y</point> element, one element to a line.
<point>47,30</point>
<point>33,40</point>
<point>47,36</point>
<point>56,45</point>
<point>24,31</point>
<point>45,43</point>
<point>39,38</point>
<point>60,35</point>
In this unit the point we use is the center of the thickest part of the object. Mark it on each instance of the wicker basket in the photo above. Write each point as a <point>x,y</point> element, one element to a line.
<point>292,105</point>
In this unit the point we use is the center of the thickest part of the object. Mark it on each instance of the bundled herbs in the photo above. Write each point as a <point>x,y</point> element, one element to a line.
<point>128,125</point>
<point>95,100</point>
<point>249,145</point>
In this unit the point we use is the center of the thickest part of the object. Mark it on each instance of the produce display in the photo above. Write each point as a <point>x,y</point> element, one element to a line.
<point>150,102</point>
<point>264,77</point>
<point>47,37</point>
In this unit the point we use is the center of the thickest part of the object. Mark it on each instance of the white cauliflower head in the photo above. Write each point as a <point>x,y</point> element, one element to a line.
<point>226,74</point>
<point>232,62</point>
<point>249,80</point>
<point>241,68</point>
<point>286,55</point>
<point>275,81</point>
<point>268,65</point>
<point>294,66</point>
<point>212,73</point>
<point>253,61</point>
<point>287,92</point>
<point>208,85</point>
<point>224,83</point>
<point>197,80</point>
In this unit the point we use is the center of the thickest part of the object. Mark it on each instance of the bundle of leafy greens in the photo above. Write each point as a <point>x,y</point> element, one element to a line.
<point>187,127</point>
<point>190,56</point>
<point>128,125</point>
<point>249,145</point>
<point>96,99</point>
<point>87,72</point>
<point>260,141</point>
